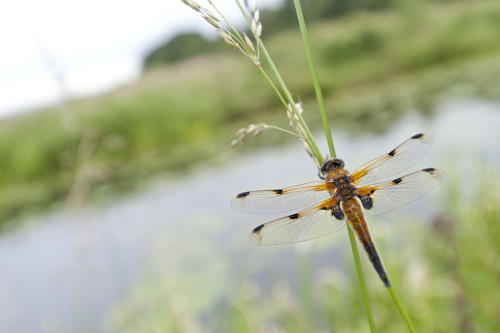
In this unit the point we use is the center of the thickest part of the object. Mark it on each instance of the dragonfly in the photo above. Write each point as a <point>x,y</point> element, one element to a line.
<point>321,207</point>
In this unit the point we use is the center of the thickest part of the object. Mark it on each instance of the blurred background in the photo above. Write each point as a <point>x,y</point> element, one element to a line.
<point>116,172</point>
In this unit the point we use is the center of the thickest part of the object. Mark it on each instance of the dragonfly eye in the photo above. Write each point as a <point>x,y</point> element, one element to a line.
<point>330,164</point>
<point>338,163</point>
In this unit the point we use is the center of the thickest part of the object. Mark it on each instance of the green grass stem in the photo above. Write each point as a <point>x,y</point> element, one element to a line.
<point>307,132</point>
<point>312,143</point>
<point>361,279</point>
<point>314,73</point>
<point>326,127</point>
<point>401,309</point>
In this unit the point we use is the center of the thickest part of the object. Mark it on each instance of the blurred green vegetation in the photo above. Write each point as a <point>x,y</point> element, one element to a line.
<point>374,67</point>
<point>191,43</point>
<point>446,271</point>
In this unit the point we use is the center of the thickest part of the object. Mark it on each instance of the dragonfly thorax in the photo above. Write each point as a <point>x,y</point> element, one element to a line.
<point>341,179</point>
<point>345,190</point>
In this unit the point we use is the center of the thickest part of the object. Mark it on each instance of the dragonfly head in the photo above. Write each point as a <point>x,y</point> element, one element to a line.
<point>331,164</point>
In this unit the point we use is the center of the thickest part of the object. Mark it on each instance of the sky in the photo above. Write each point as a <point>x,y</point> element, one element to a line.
<point>70,48</point>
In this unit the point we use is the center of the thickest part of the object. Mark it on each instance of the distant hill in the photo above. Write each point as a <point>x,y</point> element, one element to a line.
<point>180,47</point>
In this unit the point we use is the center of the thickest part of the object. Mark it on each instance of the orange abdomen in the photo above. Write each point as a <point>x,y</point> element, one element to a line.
<point>354,214</point>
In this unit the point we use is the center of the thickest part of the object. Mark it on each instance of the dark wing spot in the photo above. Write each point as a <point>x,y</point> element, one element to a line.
<point>324,208</point>
<point>278,191</point>
<point>397,180</point>
<point>417,136</point>
<point>294,216</point>
<point>243,194</point>
<point>256,230</point>
<point>372,191</point>
<point>429,170</point>
<point>392,152</point>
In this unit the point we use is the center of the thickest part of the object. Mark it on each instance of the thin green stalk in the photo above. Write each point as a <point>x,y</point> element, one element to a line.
<point>278,93</point>
<point>401,310</point>
<point>352,239</point>
<point>263,72</point>
<point>314,73</point>
<point>280,96</point>
<point>326,126</point>
<point>235,32</point>
<point>309,136</point>
<point>361,279</point>
<point>283,130</point>
<point>307,132</point>
<point>268,79</point>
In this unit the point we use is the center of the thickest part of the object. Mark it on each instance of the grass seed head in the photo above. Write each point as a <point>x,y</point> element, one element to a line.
<point>256,26</point>
<point>256,16</point>
<point>255,5</point>
<point>192,4</point>
<point>252,129</point>
<point>292,115</point>
<point>259,30</point>
<point>249,43</point>
<point>211,21</point>
<point>228,39</point>
<point>209,13</point>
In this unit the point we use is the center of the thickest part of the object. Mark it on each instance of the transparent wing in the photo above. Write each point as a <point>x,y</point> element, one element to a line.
<point>401,191</point>
<point>283,200</point>
<point>308,224</point>
<point>393,163</point>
